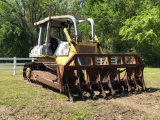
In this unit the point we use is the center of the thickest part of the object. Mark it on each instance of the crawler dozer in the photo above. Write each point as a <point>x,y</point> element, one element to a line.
<point>74,66</point>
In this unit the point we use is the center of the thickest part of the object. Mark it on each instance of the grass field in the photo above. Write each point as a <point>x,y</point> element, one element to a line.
<point>25,101</point>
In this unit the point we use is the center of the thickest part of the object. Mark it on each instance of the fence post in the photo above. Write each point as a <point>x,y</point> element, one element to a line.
<point>32,59</point>
<point>14,66</point>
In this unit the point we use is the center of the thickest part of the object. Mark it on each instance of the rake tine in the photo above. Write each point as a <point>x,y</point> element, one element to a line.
<point>79,86</point>
<point>121,89</point>
<point>101,86</point>
<point>143,86</point>
<point>129,89</point>
<point>109,84</point>
<point>70,97</point>
<point>80,91</point>
<point>131,78</point>
<point>90,86</point>
<point>127,81</point>
<point>142,79</point>
<point>134,79</point>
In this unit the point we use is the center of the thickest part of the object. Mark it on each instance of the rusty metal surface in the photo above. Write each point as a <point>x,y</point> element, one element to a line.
<point>107,75</point>
<point>93,64</point>
<point>77,78</point>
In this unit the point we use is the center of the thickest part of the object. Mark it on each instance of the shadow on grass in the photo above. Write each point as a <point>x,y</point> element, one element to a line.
<point>117,94</point>
<point>151,90</point>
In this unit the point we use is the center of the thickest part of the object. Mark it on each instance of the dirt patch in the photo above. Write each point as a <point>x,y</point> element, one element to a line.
<point>19,101</point>
<point>137,107</point>
<point>5,113</point>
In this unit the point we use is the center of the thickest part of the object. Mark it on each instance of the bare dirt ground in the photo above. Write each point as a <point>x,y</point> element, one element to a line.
<point>145,106</point>
<point>135,107</point>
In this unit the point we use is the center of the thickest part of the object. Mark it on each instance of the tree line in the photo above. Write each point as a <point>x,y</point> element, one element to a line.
<point>123,26</point>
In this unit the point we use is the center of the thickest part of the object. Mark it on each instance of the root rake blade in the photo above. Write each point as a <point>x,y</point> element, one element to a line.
<point>91,77</point>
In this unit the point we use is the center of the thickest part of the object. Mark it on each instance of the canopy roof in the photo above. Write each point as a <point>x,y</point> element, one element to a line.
<point>61,21</point>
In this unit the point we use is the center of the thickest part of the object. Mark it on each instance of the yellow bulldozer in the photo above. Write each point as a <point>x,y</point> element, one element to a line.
<point>74,66</point>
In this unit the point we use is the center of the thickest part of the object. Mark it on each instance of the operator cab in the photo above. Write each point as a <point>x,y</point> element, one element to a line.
<point>52,39</point>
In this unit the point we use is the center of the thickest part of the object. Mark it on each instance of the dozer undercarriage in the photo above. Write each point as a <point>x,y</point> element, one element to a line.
<point>73,68</point>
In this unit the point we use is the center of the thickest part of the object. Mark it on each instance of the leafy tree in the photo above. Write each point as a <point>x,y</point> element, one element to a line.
<point>121,25</point>
<point>127,25</point>
<point>17,33</point>
<point>108,16</point>
<point>142,31</point>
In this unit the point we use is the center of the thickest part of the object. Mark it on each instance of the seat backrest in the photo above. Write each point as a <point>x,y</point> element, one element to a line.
<point>54,44</point>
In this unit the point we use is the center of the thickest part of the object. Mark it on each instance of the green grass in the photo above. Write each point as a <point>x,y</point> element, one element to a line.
<point>14,91</point>
<point>23,99</point>
<point>152,77</point>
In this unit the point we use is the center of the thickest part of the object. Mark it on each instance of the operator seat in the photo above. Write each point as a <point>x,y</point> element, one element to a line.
<point>54,44</point>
